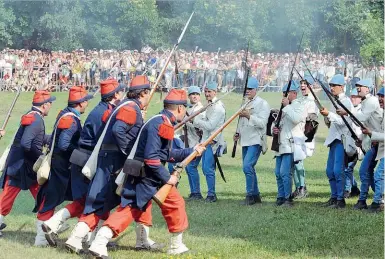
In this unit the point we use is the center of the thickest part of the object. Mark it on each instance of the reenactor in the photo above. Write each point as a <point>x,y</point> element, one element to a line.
<point>291,143</point>
<point>214,117</point>
<point>27,147</point>
<point>252,135</point>
<point>338,132</point>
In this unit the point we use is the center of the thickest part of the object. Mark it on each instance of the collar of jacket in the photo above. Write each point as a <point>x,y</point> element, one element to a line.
<point>76,112</point>
<point>169,115</point>
<point>35,109</point>
<point>340,96</point>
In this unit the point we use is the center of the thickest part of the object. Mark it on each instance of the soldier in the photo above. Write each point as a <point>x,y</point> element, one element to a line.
<point>252,133</point>
<point>213,119</point>
<point>291,135</point>
<point>154,150</point>
<point>311,115</point>
<point>111,93</point>
<point>371,116</point>
<point>351,188</point>
<point>58,187</point>
<point>336,159</point>
<point>378,198</point>
<point>119,138</point>
<point>194,136</point>
<point>26,148</point>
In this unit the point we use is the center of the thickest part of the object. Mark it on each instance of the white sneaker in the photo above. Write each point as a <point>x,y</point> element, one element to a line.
<point>177,247</point>
<point>40,237</point>
<point>74,242</point>
<point>98,247</point>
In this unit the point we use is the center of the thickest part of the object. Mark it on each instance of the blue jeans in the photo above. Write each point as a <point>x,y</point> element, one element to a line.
<point>283,172</point>
<point>335,169</point>
<point>299,174</point>
<point>379,182</point>
<point>250,155</point>
<point>349,176</point>
<point>193,175</point>
<point>208,167</point>
<point>366,172</point>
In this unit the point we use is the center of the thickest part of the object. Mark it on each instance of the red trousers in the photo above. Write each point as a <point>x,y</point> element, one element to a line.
<point>9,194</point>
<point>75,208</point>
<point>144,217</point>
<point>173,211</point>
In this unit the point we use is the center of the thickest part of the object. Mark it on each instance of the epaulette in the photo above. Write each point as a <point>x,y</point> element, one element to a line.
<point>107,114</point>
<point>65,122</point>
<point>166,130</point>
<point>127,114</point>
<point>27,119</point>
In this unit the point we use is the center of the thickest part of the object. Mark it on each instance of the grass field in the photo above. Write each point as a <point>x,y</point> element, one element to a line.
<point>224,229</point>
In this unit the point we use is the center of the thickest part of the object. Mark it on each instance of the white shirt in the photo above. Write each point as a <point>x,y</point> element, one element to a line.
<point>370,113</point>
<point>337,125</point>
<point>192,136</point>
<point>252,130</point>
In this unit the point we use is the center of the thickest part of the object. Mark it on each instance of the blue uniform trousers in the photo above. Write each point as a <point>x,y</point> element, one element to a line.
<point>335,169</point>
<point>379,183</point>
<point>250,155</point>
<point>193,175</point>
<point>366,172</point>
<point>283,172</point>
<point>349,176</point>
<point>208,167</point>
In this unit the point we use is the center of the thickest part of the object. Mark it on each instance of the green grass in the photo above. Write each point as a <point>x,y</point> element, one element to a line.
<point>225,229</point>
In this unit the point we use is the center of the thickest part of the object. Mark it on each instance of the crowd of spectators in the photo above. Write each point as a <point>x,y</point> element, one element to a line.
<point>58,70</point>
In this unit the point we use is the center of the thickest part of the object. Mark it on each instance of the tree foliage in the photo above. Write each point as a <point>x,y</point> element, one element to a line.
<point>340,26</point>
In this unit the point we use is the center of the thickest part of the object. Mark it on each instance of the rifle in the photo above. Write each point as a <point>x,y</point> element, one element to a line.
<point>167,61</point>
<point>176,71</point>
<point>243,99</point>
<point>333,100</point>
<point>11,109</point>
<point>316,99</point>
<point>275,142</point>
<point>162,193</point>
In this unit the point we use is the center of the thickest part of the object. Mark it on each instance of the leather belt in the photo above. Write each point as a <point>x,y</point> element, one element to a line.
<point>109,147</point>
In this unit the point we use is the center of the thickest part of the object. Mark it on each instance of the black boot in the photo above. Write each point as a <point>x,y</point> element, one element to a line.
<point>341,204</point>
<point>195,197</point>
<point>330,202</point>
<point>288,203</point>
<point>257,199</point>
<point>376,207</point>
<point>360,205</point>
<point>211,198</point>
<point>295,193</point>
<point>280,201</point>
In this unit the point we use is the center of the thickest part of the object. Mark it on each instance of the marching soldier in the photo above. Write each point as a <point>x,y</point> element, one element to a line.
<point>378,198</point>
<point>371,116</point>
<point>111,93</point>
<point>291,142</point>
<point>26,148</point>
<point>336,159</point>
<point>252,133</point>
<point>119,138</point>
<point>311,115</point>
<point>351,188</point>
<point>194,136</point>
<point>58,187</point>
<point>154,150</point>
<point>213,119</point>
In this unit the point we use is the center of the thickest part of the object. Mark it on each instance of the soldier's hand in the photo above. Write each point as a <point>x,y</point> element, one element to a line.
<point>324,112</point>
<point>367,131</point>
<point>173,180</point>
<point>236,137</point>
<point>245,113</point>
<point>358,143</point>
<point>341,112</point>
<point>2,132</point>
<point>276,130</point>
<point>200,149</point>
<point>285,101</point>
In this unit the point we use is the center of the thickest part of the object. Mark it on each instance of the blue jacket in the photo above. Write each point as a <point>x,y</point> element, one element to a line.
<point>154,150</point>
<point>58,187</point>
<point>120,137</point>
<point>26,149</point>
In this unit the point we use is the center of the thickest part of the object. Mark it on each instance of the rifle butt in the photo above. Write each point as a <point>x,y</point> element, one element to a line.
<point>234,149</point>
<point>275,143</point>
<point>162,193</point>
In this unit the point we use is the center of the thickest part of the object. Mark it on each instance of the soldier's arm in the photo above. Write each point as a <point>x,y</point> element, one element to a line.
<point>31,131</point>
<point>377,136</point>
<point>364,115</point>
<point>335,118</point>
<point>295,113</point>
<point>125,119</point>
<point>153,155</point>
<point>68,126</point>
<point>260,116</point>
